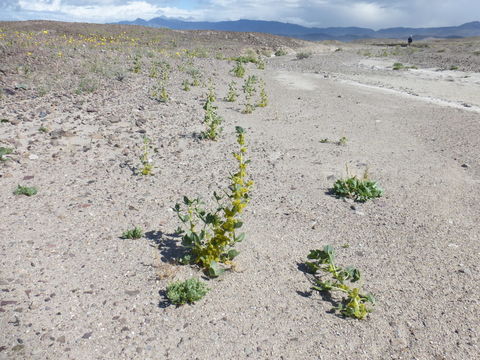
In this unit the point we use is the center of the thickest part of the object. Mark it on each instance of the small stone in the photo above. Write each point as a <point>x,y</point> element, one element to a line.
<point>91,110</point>
<point>33,157</point>
<point>466,166</point>
<point>61,339</point>
<point>140,122</point>
<point>360,213</point>
<point>87,335</point>
<point>132,292</point>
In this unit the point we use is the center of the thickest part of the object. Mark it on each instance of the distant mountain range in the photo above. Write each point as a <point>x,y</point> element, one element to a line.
<point>313,34</point>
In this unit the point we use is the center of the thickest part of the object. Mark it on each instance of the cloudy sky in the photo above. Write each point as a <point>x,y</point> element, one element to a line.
<point>321,13</point>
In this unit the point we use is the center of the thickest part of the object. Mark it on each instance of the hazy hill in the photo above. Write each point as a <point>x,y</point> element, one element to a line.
<point>298,31</point>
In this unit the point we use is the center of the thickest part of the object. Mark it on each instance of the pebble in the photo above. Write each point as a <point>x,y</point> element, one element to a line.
<point>87,335</point>
<point>466,166</point>
<point>33,157</point>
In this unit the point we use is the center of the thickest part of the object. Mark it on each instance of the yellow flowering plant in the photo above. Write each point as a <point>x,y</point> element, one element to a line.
<point>211,236</point>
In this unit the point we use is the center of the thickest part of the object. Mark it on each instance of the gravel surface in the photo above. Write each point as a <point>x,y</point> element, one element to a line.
<point>74,112</point>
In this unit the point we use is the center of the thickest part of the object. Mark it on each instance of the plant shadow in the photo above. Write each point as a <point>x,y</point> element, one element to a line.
<point>164,303</point>
<point>168,244</point>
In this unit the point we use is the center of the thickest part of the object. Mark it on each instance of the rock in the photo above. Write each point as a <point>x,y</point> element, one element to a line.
<point>466,166</point>
<point>140,122</point>
<point>91,110</point>
<point>33,157</point>
<point>61,339</point>
<point>87,335</point>
<point>132,292</point>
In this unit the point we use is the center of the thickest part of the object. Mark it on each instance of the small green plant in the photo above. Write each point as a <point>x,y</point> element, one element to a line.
<point>232,92</point>
<point>4,121</point>
<point>453,67</point>
<point>398,66</point>
<point>147,163</point>
<point>86,85</point>
<point>188,291</point>
<point>249,90</point>
<point>186,85</point>
<point>135,233</point>
<point>211,235</point>
<point>357,189</point>
<point>160,93</point>
<point>477,52</point>
<point>281,52</point>
<point>239,70</point>
<point>324,141</point>
<point>211,96</point>
<point>354,304</point>
<point>260,64</point>
<point>211,119</point>
<point>303,55</point>
<point>263,95</point>
<point>43,129</point>
<point>342,141</point>
<point>5,151</point>
<point>25,190</point>
<point>137,64</point>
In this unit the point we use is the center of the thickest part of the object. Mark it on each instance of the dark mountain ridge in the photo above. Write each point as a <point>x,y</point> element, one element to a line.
<point>313,34</point>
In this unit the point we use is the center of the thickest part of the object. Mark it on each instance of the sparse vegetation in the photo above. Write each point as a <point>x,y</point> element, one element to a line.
<point>239,70</point>
<point>5,151</point>
<point>211,235</point>
<point>135,233</point>
<point>281,52</point>
<point>354,303</point>
<point>25,190</point>
<point>147,163</point>
<point>249,91</point>
<point>357,189</point>
<point>303,55</point>
<point>232,92</point>
<point>186,292</point>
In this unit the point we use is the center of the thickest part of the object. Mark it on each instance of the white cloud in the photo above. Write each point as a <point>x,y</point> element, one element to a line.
<point>320,13</point>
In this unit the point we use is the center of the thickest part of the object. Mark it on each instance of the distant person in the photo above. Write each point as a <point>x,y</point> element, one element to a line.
<point>410,40</point>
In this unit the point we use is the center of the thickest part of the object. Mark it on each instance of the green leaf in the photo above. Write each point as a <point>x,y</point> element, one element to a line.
<point>238,225</point>
<point>240,237</point>
<point>214,270</point>
<point>232,254</point>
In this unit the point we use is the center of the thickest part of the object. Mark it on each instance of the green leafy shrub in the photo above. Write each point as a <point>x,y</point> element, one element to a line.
<point>25,190</point>
<point>303,55</point>
<point>281,52</point>
<point>354,304</point>
<point>135,233</point>
<point>188,291</point>
<point>249,90</point>
<point>212,120</point>
<point>211,235</point>
<point>232,92</point>
<point>398,66</point>
<point>147,163</point>
<point>239,70</point>
<point>357,189</point>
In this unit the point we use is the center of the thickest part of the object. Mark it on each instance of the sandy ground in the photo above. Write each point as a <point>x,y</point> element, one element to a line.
<point>70,288</point>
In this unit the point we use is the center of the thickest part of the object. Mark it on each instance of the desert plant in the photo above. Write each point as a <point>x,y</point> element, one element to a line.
<point>303,55</point>
<point>454,67</point>
<point>160,93</point>
<point>211,235</point>
<point>263,95</point>
<point>43,129</point>
<point>137,64</point>
<point>188,291</point>
<point>357,189</point>
<point>354,303</point>
<point>281,52</point>
<point>249,90</point>
<point>211,119</point>
<point>232,92</point>
<point>4,151</point>
<point>186,85</point>
<point>342,141</point>
<point>147,163</point>
<point>25,190</point>
<point>398,66</point>
<point>239,70</point>
<point>135,233</point>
